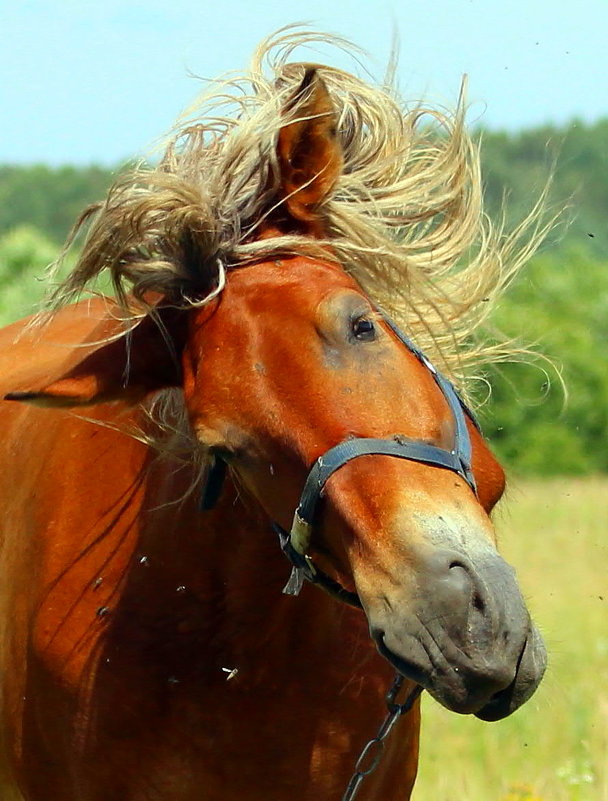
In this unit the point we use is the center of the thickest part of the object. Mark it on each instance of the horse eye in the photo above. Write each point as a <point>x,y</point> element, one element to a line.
<point>364,329</point>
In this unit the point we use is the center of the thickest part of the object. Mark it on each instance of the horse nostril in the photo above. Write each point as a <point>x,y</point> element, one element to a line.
<point>459,577</point>
<point>478,602</point>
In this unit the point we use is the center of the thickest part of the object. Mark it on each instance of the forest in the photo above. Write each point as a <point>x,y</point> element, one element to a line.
<point>547,415</point>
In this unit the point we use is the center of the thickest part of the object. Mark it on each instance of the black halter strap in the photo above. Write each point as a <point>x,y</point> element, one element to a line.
<point>296,543</point>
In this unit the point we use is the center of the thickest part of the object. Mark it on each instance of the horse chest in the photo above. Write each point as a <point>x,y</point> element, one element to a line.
<point>202,740</point>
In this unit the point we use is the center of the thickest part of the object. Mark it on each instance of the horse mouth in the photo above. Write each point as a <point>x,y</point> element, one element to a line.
<point>449,689</point>
<point>410,668</point>
<point>458,690</point>
<point>499,705</point>
<point>529,672</point>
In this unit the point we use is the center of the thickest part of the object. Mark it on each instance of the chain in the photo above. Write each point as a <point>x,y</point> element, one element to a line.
<point>370,756</point>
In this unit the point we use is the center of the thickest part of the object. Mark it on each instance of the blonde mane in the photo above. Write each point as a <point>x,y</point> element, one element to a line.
<point>405,217</point>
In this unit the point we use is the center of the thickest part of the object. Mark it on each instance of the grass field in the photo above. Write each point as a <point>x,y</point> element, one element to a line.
<point>556,747</point>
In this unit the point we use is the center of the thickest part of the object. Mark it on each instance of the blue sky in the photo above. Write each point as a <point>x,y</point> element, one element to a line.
<point>84,81</point>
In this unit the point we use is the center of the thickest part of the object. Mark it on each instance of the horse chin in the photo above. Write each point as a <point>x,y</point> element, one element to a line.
<point>457,691</point>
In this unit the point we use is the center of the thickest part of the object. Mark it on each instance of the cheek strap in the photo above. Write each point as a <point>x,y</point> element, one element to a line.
<point>296,543</point>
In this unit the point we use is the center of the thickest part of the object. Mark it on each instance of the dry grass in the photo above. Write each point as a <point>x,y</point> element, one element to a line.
<point>555,748</point>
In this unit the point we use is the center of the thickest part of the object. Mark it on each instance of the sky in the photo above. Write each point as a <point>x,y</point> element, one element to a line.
<point>84,81</point>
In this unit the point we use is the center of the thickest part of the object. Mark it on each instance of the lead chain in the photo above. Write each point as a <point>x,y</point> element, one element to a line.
<point>373,750</point>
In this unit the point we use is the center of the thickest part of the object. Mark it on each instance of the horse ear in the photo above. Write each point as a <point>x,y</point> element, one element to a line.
<point>309,153</point>
<point>114,367</point>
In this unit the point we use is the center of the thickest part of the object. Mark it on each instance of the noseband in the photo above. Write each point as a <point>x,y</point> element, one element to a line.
<point>296,543</point>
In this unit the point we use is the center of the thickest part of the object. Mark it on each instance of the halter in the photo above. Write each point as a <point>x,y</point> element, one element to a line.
<point>295,544</point>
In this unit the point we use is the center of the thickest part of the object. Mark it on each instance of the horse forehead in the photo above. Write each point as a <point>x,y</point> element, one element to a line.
<point>303,280</point>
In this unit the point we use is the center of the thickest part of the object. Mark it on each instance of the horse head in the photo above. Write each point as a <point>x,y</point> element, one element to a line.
<point>292,358</point>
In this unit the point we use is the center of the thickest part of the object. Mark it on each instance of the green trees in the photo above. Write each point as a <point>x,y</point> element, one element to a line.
<point>48,198</point>
<point>25,253</point>
<point>519,164</point>
<point>536,423</point>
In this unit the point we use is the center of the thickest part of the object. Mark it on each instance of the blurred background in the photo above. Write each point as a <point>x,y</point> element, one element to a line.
<point>86,87</point>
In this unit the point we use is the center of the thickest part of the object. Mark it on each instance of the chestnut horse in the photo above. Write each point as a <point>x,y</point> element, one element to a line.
<point>148,653</point>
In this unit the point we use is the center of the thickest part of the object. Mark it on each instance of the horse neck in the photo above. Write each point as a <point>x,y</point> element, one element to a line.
<point>215,577</point>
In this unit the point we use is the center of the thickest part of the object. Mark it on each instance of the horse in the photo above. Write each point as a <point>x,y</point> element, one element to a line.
<point>252,362</point>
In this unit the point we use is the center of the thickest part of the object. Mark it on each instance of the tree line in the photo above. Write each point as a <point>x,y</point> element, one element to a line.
<point>573,159</point>
<point>546,415</point>
<point>516,167</point>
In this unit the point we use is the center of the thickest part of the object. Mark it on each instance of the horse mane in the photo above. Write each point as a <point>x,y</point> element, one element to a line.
<point>405,218</point>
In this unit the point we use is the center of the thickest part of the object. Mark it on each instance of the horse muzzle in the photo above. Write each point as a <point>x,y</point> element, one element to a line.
<point>463,633</point>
